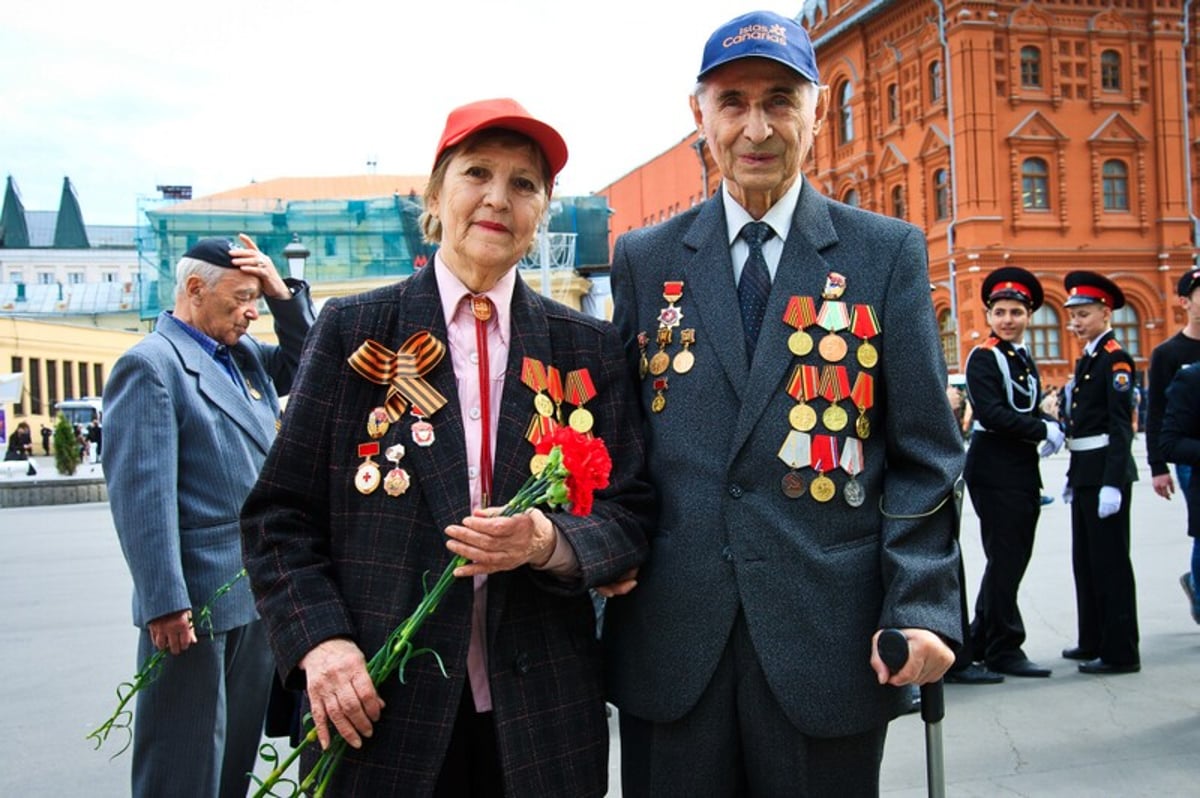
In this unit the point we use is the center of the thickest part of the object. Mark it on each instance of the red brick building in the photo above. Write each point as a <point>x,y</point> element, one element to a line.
<point>1048,135</point>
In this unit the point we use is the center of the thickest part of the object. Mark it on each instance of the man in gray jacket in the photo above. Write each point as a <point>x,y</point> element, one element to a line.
<point>793,388</point>
<point>190,412</point>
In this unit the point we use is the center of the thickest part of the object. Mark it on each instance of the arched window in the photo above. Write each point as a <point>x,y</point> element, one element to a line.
<point>935,81</point>
<point>941,194</point>
<point>1044,334</point>
<point>898,202</point>
<point>1035,184</point>
<point>1110,70</point>
<point>1116,186</point>
<point>845,114</point>
<point>893,102</point>
<point>850,198</point>
<point>1128,329</point>
<point>1031,68</point>
<point>949,337</point>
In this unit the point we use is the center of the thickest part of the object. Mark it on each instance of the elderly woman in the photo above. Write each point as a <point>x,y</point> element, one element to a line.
<point>339,551</point>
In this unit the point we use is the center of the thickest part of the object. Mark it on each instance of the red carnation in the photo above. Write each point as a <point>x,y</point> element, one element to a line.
<point>586,461</point>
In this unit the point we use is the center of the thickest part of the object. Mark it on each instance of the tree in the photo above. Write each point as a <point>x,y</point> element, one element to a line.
<point>66,447</point>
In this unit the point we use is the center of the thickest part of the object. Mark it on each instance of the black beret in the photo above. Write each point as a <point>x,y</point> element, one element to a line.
<point>214,251</point>
<point>1012,282</point>
<point>1188,282</point>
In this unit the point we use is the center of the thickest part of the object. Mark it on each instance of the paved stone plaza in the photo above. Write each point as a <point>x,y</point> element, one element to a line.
<point>67,642</point>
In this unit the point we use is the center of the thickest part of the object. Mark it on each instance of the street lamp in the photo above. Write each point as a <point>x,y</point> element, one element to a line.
<point>296,253</point>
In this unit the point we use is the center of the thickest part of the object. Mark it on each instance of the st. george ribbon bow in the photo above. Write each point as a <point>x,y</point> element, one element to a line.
<point>402,372</point>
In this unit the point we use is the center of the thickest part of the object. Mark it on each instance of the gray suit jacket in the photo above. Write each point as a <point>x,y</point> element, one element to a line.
<point>814,580</point>
<point>183,445</point>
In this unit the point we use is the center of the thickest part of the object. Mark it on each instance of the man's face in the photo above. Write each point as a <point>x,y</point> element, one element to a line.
<point>224,311</point>
<point>1008,318</point>
<point>1191,306</point>
<point>1088,321</point>
<point>759,119</point>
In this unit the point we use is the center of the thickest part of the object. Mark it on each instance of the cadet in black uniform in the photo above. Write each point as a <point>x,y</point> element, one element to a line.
<point>1002,466</point>
<point>1099,481</point>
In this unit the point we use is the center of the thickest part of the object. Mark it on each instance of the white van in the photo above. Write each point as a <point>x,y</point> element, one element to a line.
<point>81,411</point>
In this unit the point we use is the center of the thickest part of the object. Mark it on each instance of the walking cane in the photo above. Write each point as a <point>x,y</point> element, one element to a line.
<point>893,650</point>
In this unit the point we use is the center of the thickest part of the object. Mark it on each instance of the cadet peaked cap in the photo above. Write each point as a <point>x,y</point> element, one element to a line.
<point>509,115</point>
<point>214,251</point>
<point>761,34</point>
<point>1012,282</point>
<point>1188,282</point>
<point>1085,287</point>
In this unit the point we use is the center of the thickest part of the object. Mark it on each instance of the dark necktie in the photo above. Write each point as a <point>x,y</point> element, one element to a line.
<point>755,284</point>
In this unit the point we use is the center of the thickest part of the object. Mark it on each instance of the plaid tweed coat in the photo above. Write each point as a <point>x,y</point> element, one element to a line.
<point>326,561</point>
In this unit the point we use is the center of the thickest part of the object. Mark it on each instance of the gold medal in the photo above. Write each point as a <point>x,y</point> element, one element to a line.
<point>802,417</point>
<point>581,420</point>
<point>868,355</point>
<point>543,405</point>
<point>834,418</point>
<point>377,423</point>
<point>659,363</point>
<point>862,427</point>
<point>683,362</point>
<point>792,485</point>
<point>537,463</point>
<point>800,343</point>
<point>822,488</point>
<point>396,482</point>
<point>658,403</point>
<point>366,478</point>
<point>643,361</point>
<point>832,347</point>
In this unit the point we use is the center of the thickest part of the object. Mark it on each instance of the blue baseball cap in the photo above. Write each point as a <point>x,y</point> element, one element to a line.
<point>761,34</point>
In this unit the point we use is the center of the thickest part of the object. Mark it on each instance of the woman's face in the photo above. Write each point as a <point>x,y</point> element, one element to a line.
<point>489,205</point>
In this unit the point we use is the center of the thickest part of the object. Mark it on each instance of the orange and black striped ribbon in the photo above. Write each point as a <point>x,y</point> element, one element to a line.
<point>403,372</point>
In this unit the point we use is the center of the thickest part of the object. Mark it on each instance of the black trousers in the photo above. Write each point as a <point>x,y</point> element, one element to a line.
<point>1105,594</point>
<point>1007,521</point>
<point>471,768</point>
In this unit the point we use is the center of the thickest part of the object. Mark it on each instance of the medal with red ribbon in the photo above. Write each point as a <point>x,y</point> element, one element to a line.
<point>863,397</point>
<point>554,387</point>
<point>835,386</point>
<point>833,318</point>
<point>803,387</point>
<point>660,400</point>
<point>824,458</point>
<point>366,478</point>
<point>533,375</point>
<point>796,453</point>
<point>422,430</point>
<point>684,360</point>
<point>801,313</point>
<point>661,360</point>
<point>852,463</point>
<point>670,316</point>
<point>580,391</point>
<point>643,361</point>
<point>865,325</point>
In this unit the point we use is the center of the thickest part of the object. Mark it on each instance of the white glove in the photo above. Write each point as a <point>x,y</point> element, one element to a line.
<point>1110,501</point>
<point>1068,494</point>
<point>1054,439</point>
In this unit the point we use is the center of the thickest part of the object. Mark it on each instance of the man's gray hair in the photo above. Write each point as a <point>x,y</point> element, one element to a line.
<point>207,272</point>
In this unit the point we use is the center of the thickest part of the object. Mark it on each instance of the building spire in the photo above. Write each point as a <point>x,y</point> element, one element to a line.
<point>69,231</point>
<point>14,233</point>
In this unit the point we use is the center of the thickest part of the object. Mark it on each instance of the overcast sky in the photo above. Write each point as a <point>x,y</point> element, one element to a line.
<point>122,96</point>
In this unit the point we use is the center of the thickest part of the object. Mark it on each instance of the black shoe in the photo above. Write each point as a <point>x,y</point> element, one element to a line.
<point>973,674</point>
<point>1185,581</point>
<point>1099,666</point>
<point>1078,652</point>
<point>1019,666</point>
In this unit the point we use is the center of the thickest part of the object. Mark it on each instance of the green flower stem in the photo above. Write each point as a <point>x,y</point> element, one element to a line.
<point>398,649</point>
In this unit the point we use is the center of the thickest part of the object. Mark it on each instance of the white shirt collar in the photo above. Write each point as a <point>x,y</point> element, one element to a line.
<point>779,217</point>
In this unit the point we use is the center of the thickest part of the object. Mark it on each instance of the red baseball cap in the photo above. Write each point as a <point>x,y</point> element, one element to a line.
<point>509,115</point>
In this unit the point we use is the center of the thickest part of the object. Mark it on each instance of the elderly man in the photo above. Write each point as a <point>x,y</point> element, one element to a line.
<point>190,412</point>
<point>806,487</point>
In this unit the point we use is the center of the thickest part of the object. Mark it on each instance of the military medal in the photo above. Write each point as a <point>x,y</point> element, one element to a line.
<point>537,463</point>
<point>796,453</point>
<point>580,391</point>
<point>835,386</point>
<point>835,285</point>
<point>802,386</point>
<point>852,464</point>
<point>396,481</point>
<point>554,387</point>
<point>801,313</point>
<point>377,423</point>
<point>422,430</point>
<point>533,375</point>
<point>685,360</point>
<point>825,457</point>
<point>366,478</point>
<point>661,360</point>
<point>865,324</point>
<point>643,362</point>
<point>254,392</point>
<point>659,401</point>
<point>832,318</point>
<point>863,397</point>
<point>670,316</point>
